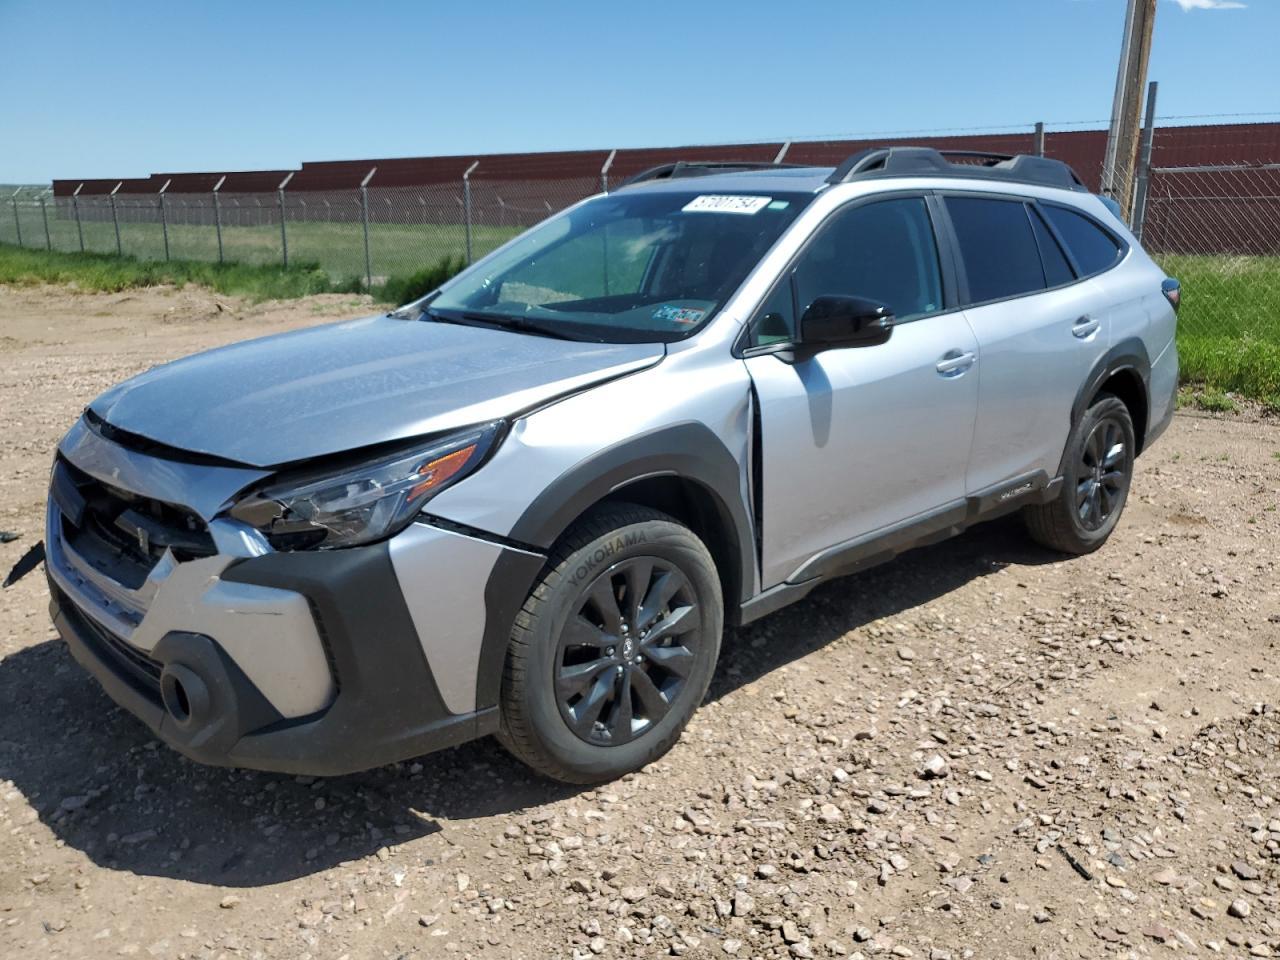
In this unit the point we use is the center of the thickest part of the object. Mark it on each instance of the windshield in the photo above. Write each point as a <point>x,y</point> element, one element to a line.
<point>630,267</point>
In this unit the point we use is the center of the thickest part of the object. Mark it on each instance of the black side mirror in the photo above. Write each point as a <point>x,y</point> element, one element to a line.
<point>838,321</point>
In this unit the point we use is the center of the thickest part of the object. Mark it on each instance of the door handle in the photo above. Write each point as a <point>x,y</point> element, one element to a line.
<point>954,363</point>
<point>1085,326</point>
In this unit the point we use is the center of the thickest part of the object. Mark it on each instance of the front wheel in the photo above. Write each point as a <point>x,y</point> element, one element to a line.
<point>614,648</point>
<point>1096,479</point>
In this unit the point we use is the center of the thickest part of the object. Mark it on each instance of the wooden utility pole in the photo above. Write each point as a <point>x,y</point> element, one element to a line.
<point>1126,109</point>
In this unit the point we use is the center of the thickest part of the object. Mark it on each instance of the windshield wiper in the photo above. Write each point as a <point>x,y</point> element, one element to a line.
<point>500,321</point>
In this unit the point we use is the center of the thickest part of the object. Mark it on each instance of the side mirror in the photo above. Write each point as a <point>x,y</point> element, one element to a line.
<point>837,321</point>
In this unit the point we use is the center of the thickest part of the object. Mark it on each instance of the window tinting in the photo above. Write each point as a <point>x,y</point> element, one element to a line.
<point>774,321</point>
<point>998,247</point>
<point>1056,269</point>
<point>1093,248</point>
<point>882,251</point>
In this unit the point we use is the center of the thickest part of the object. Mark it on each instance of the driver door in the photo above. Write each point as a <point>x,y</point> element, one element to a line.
<point>857,440</point>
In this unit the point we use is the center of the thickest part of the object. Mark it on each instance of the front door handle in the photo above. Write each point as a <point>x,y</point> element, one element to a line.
<point>1085,326</point>
<point>954,363</point>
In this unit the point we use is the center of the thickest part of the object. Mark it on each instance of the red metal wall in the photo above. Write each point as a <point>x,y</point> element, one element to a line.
<point>1174,147</point>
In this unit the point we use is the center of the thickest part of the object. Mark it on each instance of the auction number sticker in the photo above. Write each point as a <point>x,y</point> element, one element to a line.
<point>725,203</point>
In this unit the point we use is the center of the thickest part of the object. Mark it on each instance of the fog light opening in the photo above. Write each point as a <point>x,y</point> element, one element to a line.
<point>184,695</point>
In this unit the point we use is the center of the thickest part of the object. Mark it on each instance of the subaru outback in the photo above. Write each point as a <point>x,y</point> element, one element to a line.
<point>530,503</point>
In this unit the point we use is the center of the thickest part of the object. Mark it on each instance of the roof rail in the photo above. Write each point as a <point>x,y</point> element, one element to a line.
<point>927,162</point>
<point>700,168</point>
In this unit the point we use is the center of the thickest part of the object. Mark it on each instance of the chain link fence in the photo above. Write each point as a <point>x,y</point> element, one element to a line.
<point>1215,226</point>
<point>369,233</point>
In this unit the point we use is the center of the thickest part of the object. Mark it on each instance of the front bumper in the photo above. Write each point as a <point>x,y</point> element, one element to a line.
<point>318,663</point>
<point>386,707</point>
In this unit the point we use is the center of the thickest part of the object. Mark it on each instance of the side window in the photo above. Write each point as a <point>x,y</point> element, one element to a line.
<point>883,251</point>
<point>1092,247</point>
<point>998,247</point>
<point>1056,269</point>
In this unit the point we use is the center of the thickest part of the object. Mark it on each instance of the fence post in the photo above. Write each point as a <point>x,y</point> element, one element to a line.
<point>75,205</point>
<point>115,219</point>
<point>217,214</point>
<point>604,171</point>
<point>284,235</point>
<point>1144,163</point>
<point>44,215</point>
<point>1039,139</point>
<point>466,205</point>
<point>364,216</point>
<point>17,221</point>
<point>164,219</point>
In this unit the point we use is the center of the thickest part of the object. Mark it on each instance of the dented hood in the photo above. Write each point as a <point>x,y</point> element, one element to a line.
<point>333,388</point>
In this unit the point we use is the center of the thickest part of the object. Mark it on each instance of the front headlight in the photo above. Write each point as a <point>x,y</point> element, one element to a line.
<point>364,503</point>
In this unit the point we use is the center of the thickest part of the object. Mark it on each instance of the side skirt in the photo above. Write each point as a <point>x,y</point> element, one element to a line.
<point>884,544</point>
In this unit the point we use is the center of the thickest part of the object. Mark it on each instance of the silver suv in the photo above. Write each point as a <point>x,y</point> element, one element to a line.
<point>528,504</point>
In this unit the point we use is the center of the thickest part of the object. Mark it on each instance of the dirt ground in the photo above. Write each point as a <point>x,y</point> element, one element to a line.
<point>979,750</point>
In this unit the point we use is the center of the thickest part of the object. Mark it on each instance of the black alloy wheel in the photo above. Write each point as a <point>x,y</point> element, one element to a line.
<point>1102,477</point>
<point>625,654</point>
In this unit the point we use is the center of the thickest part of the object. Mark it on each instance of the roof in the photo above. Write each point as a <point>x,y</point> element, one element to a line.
<point>770,180</point>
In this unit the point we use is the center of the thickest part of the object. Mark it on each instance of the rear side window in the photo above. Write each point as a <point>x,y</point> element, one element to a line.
<point>1056,269</point>
<point>1092,247</point>
<point>1001,258</point>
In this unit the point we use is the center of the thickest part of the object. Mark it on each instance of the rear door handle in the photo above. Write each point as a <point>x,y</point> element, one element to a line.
<point>1085,327</point>
<point>954,363</point>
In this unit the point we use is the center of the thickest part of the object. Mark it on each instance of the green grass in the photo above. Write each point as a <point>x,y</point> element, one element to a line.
<point>107,272</point>
<point>263,281</point>
<point>1229,326</point>
<point>395,249</point>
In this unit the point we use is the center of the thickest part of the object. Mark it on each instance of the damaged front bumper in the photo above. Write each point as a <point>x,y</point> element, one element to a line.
<point>306,662</point>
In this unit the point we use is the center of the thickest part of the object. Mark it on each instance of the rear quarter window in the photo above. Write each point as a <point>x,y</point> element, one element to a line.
<point>1092,248</point>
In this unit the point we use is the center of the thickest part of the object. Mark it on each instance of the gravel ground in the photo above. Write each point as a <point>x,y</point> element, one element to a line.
<point>977,750</point>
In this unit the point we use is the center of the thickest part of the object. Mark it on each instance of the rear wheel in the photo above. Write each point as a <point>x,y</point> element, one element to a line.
<point>1099,470</point>
<point>614,648</point>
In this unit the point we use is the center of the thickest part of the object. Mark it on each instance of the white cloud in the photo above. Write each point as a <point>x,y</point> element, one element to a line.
<point>1209,4</point>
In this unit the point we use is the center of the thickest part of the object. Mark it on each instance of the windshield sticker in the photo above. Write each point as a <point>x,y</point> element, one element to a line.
<point>779,205</point>
<point>685,316</point>
<point>713,203</point>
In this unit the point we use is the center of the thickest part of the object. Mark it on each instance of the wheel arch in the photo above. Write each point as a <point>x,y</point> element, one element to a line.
<point>684,469</point>
<point>1124,370</point>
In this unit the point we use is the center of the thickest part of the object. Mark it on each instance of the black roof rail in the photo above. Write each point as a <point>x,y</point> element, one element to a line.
<point>927,162</point>
<point>700,168</point>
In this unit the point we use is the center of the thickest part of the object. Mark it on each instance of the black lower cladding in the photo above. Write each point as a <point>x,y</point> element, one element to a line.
<point>387,708</point>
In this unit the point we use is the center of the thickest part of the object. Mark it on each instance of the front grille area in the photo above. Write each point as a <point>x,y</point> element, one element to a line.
<point>140,670</point>
<point>121,534</point>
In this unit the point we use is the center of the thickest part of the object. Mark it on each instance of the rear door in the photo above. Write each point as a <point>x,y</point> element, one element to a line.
<point>1040,329</point>
<point>856,440</point>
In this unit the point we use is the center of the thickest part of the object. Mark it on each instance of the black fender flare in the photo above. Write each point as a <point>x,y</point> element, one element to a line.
<point>1128,354</point>
<point>689,450</point>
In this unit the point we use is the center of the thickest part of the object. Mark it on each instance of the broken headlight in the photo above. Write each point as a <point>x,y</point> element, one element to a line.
<point>363,503</point>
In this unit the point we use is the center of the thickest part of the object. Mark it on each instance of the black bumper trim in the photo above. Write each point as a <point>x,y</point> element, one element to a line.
<point>388,707</point>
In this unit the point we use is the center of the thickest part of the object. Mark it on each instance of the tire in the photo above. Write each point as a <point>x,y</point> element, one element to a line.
<point>1096,481</point>
<point>570,659</point>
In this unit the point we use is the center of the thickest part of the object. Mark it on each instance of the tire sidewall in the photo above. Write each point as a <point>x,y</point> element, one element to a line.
<point>663,540</point>
<point>1105,408</point>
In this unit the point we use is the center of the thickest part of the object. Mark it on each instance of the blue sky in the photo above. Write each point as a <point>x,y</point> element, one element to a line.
<point>125,89</point>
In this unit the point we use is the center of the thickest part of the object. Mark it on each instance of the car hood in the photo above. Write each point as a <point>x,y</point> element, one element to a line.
<point>338,387</point>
